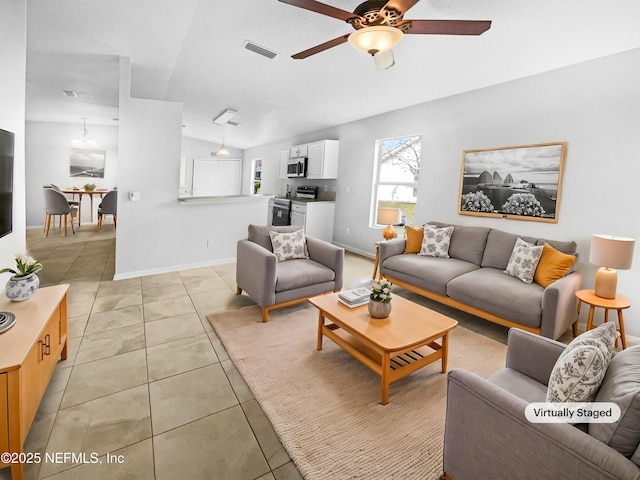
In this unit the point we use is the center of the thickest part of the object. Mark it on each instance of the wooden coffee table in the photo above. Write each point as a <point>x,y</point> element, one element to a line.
<point>392,347</point>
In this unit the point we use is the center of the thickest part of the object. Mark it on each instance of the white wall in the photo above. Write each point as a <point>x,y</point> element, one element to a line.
<point>158,234</point>
<point>13,58</point>
<point>47,153</point>
<point>593,106</point>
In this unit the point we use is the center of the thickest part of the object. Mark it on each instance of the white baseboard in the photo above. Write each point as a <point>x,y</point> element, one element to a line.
<point>174,268</point>
<point>355,250</point>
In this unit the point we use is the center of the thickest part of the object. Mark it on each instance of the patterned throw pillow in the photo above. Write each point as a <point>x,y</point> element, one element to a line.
<point>435,242</point>
<point>287,246</point>
<point>580,369</point>
<point>524,260</point>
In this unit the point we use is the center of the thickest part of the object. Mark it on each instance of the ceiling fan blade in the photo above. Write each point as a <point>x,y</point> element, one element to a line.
<point>401,5</point>
<point>384,60</point>
<point>321,8</point>
<point>321,48</point>
<point>446,27</point>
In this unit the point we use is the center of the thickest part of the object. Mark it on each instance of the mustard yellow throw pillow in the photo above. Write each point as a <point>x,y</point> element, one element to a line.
<point>414,239</point>
<point>552,266</point>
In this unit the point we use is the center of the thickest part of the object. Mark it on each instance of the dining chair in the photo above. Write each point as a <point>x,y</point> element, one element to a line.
<point>56,204</point>
<point>72,203</point>
<point>108,206</point>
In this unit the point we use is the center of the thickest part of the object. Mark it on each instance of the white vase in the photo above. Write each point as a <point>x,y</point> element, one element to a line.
<point>21,288</point>
<point>379,309</point>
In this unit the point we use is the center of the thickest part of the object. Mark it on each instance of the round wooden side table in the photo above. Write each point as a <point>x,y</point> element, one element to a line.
<point>619,303</point>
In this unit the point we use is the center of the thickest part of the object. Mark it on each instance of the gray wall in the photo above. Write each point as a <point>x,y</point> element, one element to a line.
<point>593,106</point>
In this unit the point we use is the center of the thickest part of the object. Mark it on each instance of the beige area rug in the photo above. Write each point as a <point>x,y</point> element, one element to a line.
<point>325,406</point>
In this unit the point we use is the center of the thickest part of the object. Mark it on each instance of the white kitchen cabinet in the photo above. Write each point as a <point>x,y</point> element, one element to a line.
<point>284,160</point>
<point>323,159</point>
<point>298,151</point>
<point>316,218</point>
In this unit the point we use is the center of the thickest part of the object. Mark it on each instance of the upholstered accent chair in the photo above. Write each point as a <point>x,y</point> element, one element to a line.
<point>487,434</point>
<point>274,283</point>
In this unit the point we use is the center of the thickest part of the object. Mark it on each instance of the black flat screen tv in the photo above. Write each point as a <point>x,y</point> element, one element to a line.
<point>6,182</point>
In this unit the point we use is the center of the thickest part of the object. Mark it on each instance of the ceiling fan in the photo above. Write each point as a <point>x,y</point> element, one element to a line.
<point>379,26</point>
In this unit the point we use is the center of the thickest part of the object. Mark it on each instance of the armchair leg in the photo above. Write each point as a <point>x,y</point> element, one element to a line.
<point>265,315</point>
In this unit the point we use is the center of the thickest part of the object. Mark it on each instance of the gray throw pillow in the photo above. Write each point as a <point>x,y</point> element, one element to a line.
<point>435,242</point>
<point>288,246</point>
<point>581,368</point>
<point>621,386</point>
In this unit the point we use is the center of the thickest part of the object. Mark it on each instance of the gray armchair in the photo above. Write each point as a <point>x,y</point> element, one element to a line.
<point>488,436</point>
<point>272,284</point>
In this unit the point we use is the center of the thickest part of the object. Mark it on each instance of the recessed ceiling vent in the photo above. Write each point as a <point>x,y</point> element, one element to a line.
<point>70,93</point>
<point>259,50</point>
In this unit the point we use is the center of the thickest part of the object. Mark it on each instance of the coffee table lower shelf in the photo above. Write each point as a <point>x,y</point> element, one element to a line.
<point>390,366</point>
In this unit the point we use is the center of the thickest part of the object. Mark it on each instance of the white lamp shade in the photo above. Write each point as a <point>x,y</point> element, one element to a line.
<point>375,39</point>
<point>388,216</point>
<point>612,252</point>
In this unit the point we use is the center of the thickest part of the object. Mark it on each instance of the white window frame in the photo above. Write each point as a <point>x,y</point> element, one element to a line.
<point>373,216</point>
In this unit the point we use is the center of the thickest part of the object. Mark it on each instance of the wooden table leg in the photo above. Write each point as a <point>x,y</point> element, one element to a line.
<point>621,323</point>
<point>445,351</point>
<point>575,324</point>
<point>386,367</point>
<point>320,325</point>
<point>592,309</point>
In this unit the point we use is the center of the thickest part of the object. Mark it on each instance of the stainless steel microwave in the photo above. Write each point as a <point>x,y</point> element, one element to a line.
<point>297,167</point>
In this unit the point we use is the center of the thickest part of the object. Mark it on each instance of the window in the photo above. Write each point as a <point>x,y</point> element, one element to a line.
<point>396,177</point>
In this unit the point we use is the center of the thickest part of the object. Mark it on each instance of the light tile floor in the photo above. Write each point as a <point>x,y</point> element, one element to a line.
<point>147,386</point>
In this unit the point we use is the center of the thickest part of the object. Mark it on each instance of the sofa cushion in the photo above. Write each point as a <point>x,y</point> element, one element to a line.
<point>621,386</point>
<point>467,243</point>
<point>287,246</point>
<point>430,273</point>
<point>569,248</point>
<point>553,265</point>
<point>580,369</point>
<point>414,239</point>
<point>260,233</point>
<point>524,260</point>
<point>501,295</point>
<point>299,273</point>
<point>499,247</point>
<point>435,242</point>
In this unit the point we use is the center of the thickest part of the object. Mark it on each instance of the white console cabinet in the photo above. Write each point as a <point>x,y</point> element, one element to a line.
<point>323,159</point>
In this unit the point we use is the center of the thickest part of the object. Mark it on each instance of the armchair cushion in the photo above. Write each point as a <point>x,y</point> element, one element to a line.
<point>580,369</point>
<point>621,385</point>
<point>299,273</point>
<point>287,246</point>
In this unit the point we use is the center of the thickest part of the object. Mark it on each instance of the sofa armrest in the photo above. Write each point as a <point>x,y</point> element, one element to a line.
<point>390,248</point>
<point>477,411</point>
<point>559,305</point>
<point>328,255</point>
<point>532,355</point>
<point>256,272</point>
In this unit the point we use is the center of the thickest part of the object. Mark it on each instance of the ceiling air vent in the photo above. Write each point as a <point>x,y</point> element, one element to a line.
<point>69,93</point>
<point>259,50</point>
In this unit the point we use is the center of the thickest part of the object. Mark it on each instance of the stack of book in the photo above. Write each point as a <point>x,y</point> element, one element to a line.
<point>354,298</point>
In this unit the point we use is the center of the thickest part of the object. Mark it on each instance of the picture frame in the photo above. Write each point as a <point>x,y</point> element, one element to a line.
<point>520,182</point>
<point>87,162</point>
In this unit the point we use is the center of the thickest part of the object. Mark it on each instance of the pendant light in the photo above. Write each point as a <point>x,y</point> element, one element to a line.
<point>222,151</point>
<point>85,140</point>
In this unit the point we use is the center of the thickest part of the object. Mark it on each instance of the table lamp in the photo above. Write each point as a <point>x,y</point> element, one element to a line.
<point>390,217</point>
<point>610,252</point>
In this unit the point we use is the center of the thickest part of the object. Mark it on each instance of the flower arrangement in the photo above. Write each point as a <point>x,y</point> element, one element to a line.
<point>25,265</point>
<point>381,291</point>
<point>476,202</point>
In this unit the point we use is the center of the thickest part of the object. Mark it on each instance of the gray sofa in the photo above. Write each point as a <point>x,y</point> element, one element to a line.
<point>272,284</point>
<point>472,280</point>
<point>488,436</point>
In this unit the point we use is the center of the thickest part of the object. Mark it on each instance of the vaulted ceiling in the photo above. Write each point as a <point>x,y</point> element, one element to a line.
<point>190,51</point>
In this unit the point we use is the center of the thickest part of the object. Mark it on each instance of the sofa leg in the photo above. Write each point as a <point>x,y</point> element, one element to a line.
<point>575,329</point>
<point>265,315</point>
<point>238,290</point>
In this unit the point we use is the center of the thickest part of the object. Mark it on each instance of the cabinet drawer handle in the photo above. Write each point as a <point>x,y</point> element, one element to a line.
<point>45,346</point>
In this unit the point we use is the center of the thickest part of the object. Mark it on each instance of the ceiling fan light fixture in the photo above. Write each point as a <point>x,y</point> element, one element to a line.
<point>376,39</point>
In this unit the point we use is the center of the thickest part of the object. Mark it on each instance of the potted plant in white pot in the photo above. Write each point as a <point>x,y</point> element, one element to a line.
<point>380,299</point>
<point>24,281</point>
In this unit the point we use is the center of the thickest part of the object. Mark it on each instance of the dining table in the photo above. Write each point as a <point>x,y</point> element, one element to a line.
<point>81,192</point>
